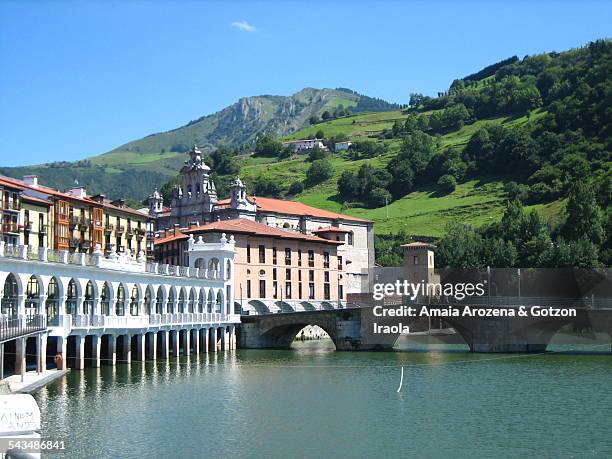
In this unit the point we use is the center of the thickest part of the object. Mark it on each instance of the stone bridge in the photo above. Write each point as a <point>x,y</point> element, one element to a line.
<point>352,329</point>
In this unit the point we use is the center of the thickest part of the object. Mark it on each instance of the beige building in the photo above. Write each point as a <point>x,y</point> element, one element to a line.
<point>274,268</point>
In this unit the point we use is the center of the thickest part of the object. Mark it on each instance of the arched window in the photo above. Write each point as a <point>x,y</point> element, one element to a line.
<point>201,301</point>
<point>52,304</point>
<point>159,304</point>
<point>219,302</point>
<point>120,303</point>
<point>191,306</point>
<point>197,189</point>
<point>134,301</point>
<point>189,191</point>
<point>181,303</point>
<point>350,238</point>
<point>105,299</point>
<point>71,298</point>
<point>209,305</point>
<point>148,300</point>
<point>9,297</point>
<point>228,269</point>
<point>171,301</point>
<point>32,299</point>
<point>200,263</point>
<point>89,297</point>
<point>213,264</point>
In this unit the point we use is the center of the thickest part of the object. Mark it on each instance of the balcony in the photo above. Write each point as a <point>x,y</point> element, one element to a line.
<point>20,326</point>
<point>27,227</point>
<point>10,228</point>
<point>120,229</point>
<point>43,229</point>
<point>109,228</point>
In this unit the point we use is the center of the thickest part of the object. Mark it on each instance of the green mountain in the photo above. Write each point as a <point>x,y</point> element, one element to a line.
<point>133,169</point>
<point>525,129</point>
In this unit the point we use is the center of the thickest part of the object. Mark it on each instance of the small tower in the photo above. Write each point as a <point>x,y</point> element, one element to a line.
<point>156,203</point>
<point>419,262</point>
<point>238,192</point>
<point>239,200</point>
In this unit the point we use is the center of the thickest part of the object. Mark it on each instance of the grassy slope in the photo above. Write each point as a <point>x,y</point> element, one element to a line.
<point>423,212</point>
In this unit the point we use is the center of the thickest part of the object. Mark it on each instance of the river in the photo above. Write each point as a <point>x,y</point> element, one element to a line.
<point>313,402</point>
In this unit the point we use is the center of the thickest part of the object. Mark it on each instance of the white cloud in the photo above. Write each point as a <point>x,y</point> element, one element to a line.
<point>244,26</point>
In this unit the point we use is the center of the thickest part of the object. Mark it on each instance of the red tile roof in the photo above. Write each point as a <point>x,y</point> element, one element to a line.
<point>86,200</point>
<point>177,236</point>
<point>281,206</point>
<point>250,227</point>
<point>416,245</point>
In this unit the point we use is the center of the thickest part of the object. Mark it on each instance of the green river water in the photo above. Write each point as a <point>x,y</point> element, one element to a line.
<point>313,402</point>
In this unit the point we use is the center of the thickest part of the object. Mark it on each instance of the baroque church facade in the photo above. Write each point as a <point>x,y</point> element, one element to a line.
<point>195,203</point>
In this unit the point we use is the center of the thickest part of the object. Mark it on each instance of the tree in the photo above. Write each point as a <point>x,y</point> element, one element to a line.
<point>314,119</point>
<point>266,186</point>
<point>460,248</point>
<point>319,171</point>
<point>447,184</point>
<point>296,188</point>
<point>267,145</point>
<point>584,218</point>
<point>316,153</point>
<point>348,186</point>
<point>325,115</point>
<point>320,134</point>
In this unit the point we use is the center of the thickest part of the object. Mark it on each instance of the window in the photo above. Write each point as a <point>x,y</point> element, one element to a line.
<point>311,291</point>
<point>288,290</point>
<point>262,253</point>
<point>326,294</point>
<point>274,258</point>
<point>311,276</point>
<point>274,289</point>
<point>351,238</point>
<point>300,290</point>
<point>416,259</point>
<point>340,292</point>
<point>274,273</point>
<point>262,288</point>
<point>287,256</point>
<point>311,258</point>
<point>326,259</point>
<point>287,274</point>
<point>248,248</point>
<point>248,292</point>
<point>326,276</point>
<point>339,263</point>
<point>299,258</point>
<point>299,274</point>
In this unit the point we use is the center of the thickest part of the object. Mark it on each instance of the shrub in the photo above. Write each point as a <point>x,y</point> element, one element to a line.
<point>447,183</point>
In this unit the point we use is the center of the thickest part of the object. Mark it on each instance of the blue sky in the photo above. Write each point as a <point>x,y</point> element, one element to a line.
<point>80,78</point>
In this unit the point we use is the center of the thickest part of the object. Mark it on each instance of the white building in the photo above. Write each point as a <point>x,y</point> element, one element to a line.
<point>118,308</point>
<point>304,144</point>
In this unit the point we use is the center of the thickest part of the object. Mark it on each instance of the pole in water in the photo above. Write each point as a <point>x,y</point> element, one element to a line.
<point>401,380</point>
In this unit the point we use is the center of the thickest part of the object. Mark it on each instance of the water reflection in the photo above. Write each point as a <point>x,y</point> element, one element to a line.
<point>312,401</point>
